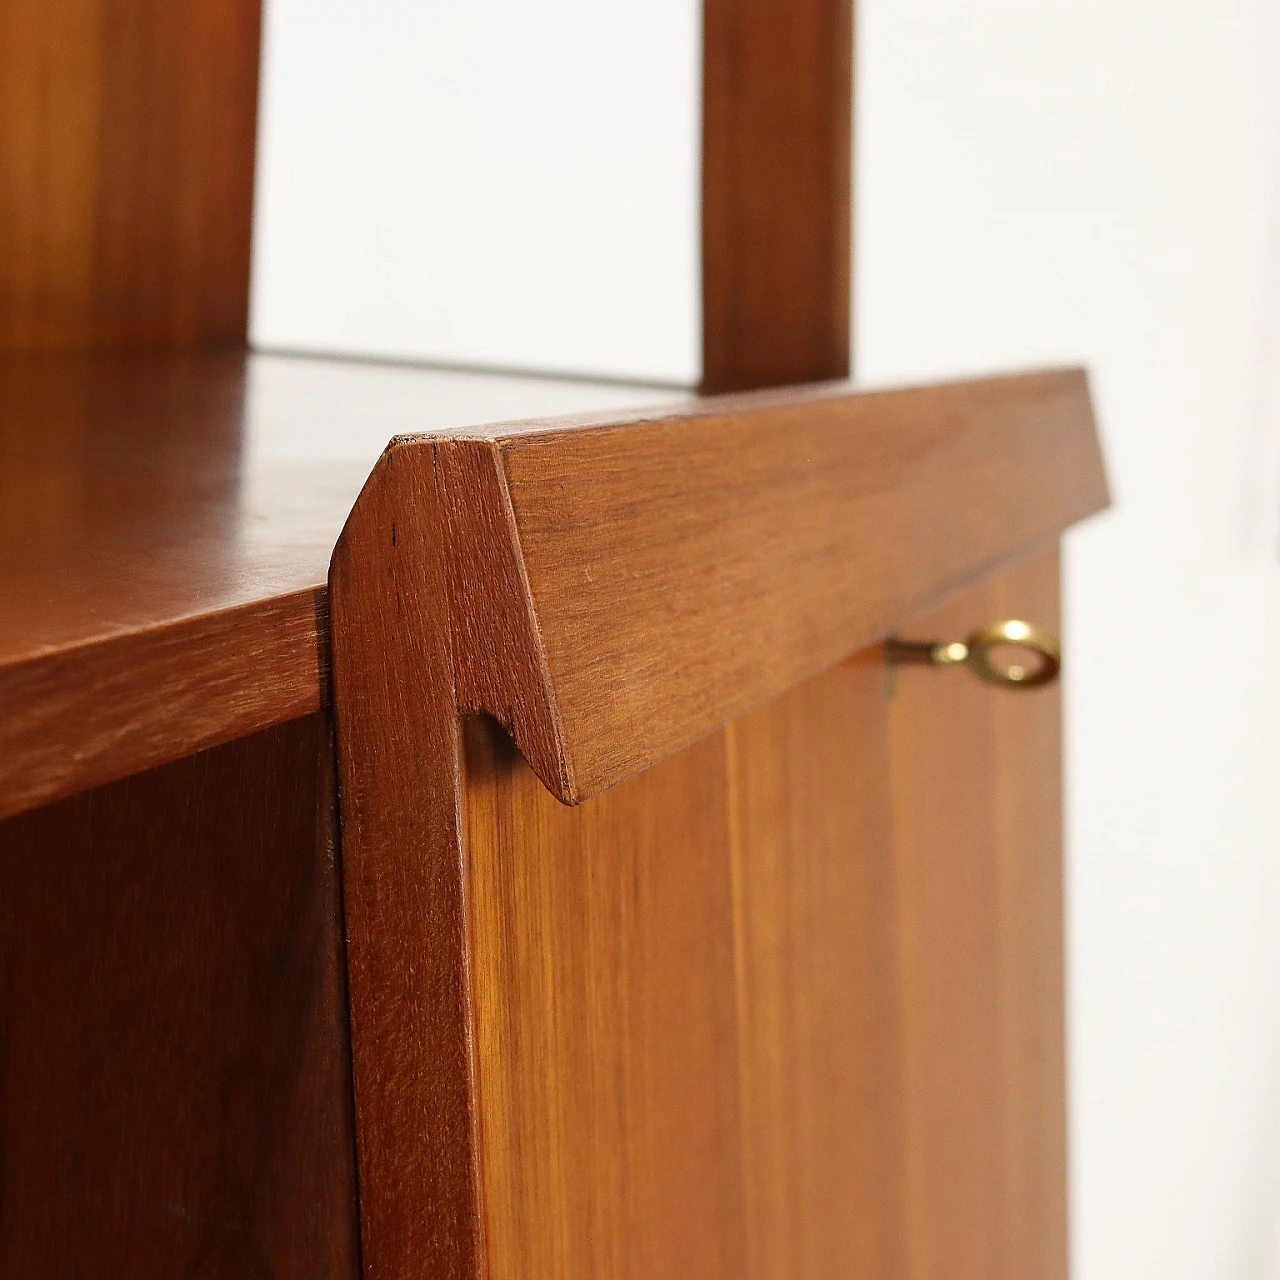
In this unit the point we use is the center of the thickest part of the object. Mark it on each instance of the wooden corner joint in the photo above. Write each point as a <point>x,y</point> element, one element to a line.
<point>435,521</point>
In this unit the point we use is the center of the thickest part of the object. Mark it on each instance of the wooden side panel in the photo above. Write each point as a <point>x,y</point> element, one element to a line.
<point>126,167</point>
<point>776,191</point>
<point>977,836</point>
<point>785,1005</point>
<point>397,727</point>
<point>175,1095</point>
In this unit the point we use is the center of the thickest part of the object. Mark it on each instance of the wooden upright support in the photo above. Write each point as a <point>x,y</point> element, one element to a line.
<point>127,132</point>
<point>777,118</point>
<point>174,1066</point>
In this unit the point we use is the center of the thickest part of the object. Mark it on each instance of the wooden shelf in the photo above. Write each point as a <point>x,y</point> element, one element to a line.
<point>166,525</point>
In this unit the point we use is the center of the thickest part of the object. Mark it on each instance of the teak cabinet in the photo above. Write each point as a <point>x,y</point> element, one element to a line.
<point>781,996</point>
<point>507,853</point>
<point>743,958</point>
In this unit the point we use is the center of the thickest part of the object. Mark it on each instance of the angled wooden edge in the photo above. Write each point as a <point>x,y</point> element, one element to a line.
<point>615,588</point>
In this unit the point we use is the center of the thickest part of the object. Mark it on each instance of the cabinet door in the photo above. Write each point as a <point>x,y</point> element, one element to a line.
<point>788,1004</point>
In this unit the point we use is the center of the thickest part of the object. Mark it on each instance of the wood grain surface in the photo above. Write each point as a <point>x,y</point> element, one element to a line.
<point>819,1026</point>
<point>397,725</point>
<point>127,132</point>
<point>776,191</point>
<point>621,587</point>
<point>707,1023</point>
<point>977,802</point>
<point>789,1003</point>
<point>175,1093</point>
<point>502,1121</point>
<point>686,1033</point>
<point>166,525</point>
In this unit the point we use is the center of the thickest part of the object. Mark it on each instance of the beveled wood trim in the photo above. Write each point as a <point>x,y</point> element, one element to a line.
<point>776,191</point>
<point>615,590</point>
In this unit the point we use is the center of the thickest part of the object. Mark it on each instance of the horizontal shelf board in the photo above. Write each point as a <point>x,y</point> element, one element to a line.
<point>166,525</point>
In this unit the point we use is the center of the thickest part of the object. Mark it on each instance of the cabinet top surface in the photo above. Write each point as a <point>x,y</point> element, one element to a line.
<point>138,491</point>
<point>166,525</point>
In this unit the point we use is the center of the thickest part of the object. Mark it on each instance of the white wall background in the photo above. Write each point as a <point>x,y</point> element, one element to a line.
<point>1038,180</point>
<point>482,182</point>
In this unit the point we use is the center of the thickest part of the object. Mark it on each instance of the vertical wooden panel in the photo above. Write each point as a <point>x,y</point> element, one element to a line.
<point>787,1005</point>
<point>402,877</point>
<point>127,132</point>
<point>776,178</point>
<point>686,1004</point>
<point>977,836</point>
<point>603,996</point>
<point>821,1055</point>
<point>174,1074</point>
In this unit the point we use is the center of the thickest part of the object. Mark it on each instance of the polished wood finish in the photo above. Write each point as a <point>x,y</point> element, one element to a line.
<point>788,1003</point>
<point>127,132</point>
<point>595,586</point>
<point>776,190</point>
<point>166,524</point>
<point>397,725</point>
<point>977,832</point>
<point>175,1093</point>
<point>784,1003</point>
<point>620,586</point>
<point>684,1004</point>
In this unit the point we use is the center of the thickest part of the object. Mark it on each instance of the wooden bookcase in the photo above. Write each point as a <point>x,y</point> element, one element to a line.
<point>505,852</point>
